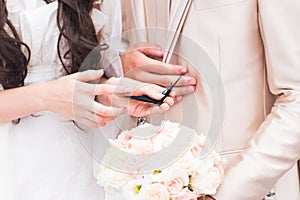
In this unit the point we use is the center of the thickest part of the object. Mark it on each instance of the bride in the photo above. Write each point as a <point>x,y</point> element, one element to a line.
<point>45,100</point>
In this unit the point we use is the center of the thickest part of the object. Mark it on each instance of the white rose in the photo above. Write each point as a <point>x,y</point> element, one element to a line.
<point>112,193</point>
<point>187,162</point>
<point>165,135</point>
<point>158,177</point>
<point>206,182</point>
<point>132,189</point>
<point>109,177</point>
<point>169,129</point>
<point>160,142</point>
<point>154,191</point>
<point>119,145</point>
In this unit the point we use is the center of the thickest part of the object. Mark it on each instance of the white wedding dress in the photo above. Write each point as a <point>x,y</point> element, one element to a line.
<point>42,157</point>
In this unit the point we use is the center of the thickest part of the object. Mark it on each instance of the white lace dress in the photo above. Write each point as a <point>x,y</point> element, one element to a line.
<point>42,158</point>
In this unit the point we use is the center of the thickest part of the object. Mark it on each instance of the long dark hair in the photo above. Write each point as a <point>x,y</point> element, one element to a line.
<point>13,61</point>
<point>76,26</point>
<point>76,29</point>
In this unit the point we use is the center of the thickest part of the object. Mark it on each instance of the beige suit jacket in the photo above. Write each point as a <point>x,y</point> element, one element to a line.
<point>255,46</point>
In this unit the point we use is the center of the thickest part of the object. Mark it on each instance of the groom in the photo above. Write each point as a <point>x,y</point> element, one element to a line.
<point>255,46</point>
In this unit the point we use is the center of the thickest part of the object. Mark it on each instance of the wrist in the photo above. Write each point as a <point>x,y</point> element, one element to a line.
<point>127,60</point>
<point>43,92</point>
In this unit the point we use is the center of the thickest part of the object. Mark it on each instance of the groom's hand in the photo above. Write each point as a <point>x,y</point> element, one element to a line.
<point>142,62</point>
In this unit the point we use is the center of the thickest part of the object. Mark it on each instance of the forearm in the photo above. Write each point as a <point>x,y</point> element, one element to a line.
<point>275,147</point>
<point>272,151</point>
<point>20,102</point>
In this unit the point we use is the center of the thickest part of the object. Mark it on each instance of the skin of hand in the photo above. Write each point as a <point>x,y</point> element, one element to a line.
<point>141,62</point>
<point>208,198</point>
<point>73,97</point>
<point>136,108</point>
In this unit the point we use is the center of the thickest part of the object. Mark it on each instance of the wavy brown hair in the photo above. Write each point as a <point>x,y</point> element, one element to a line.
<point>76,30</point>
<point>13,61</point>
<point>76,27</point>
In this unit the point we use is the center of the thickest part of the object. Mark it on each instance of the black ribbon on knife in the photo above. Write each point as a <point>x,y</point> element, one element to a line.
<point>166,93</point>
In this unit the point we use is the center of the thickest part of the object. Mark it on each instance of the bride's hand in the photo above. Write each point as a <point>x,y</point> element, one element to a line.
<point>137,108</point>
<point>73,97</point>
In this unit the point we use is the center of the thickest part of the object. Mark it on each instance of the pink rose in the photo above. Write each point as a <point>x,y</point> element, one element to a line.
<point>179,179</point>
<point>123,137</point>
<point>124,140</point>
<point>154,191</point>
<point>174,186</point>
<point>198,145</point>
<point>141,146</point>
<point>186,195</point>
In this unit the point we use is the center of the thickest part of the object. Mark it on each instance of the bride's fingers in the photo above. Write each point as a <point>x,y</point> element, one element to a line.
<point>170,101</point>
<point>158,109</point>
<point>105,89</point>
<point>165,106</point>
<point>107,111</point>
<point>153,91</point>
<point>100,120</point>
<point>144,110</point>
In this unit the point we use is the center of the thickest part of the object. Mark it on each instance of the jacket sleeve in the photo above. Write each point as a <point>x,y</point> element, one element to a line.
<point>275,147</point>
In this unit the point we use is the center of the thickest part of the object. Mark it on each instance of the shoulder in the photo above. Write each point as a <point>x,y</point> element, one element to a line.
<point>24,5</point>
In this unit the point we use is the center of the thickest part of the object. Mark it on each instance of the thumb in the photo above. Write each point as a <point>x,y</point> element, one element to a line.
<point>152,50</point>
<point>89,75</point>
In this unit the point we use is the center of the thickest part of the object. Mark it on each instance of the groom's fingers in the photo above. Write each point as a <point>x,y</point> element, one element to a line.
<point>157,67</point>
<point>164,80</point>
<point>152,52</point>
<point>150,49</point>
<point>181,91</point>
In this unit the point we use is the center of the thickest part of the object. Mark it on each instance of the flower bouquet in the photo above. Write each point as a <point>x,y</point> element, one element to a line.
<point>188,177</point>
